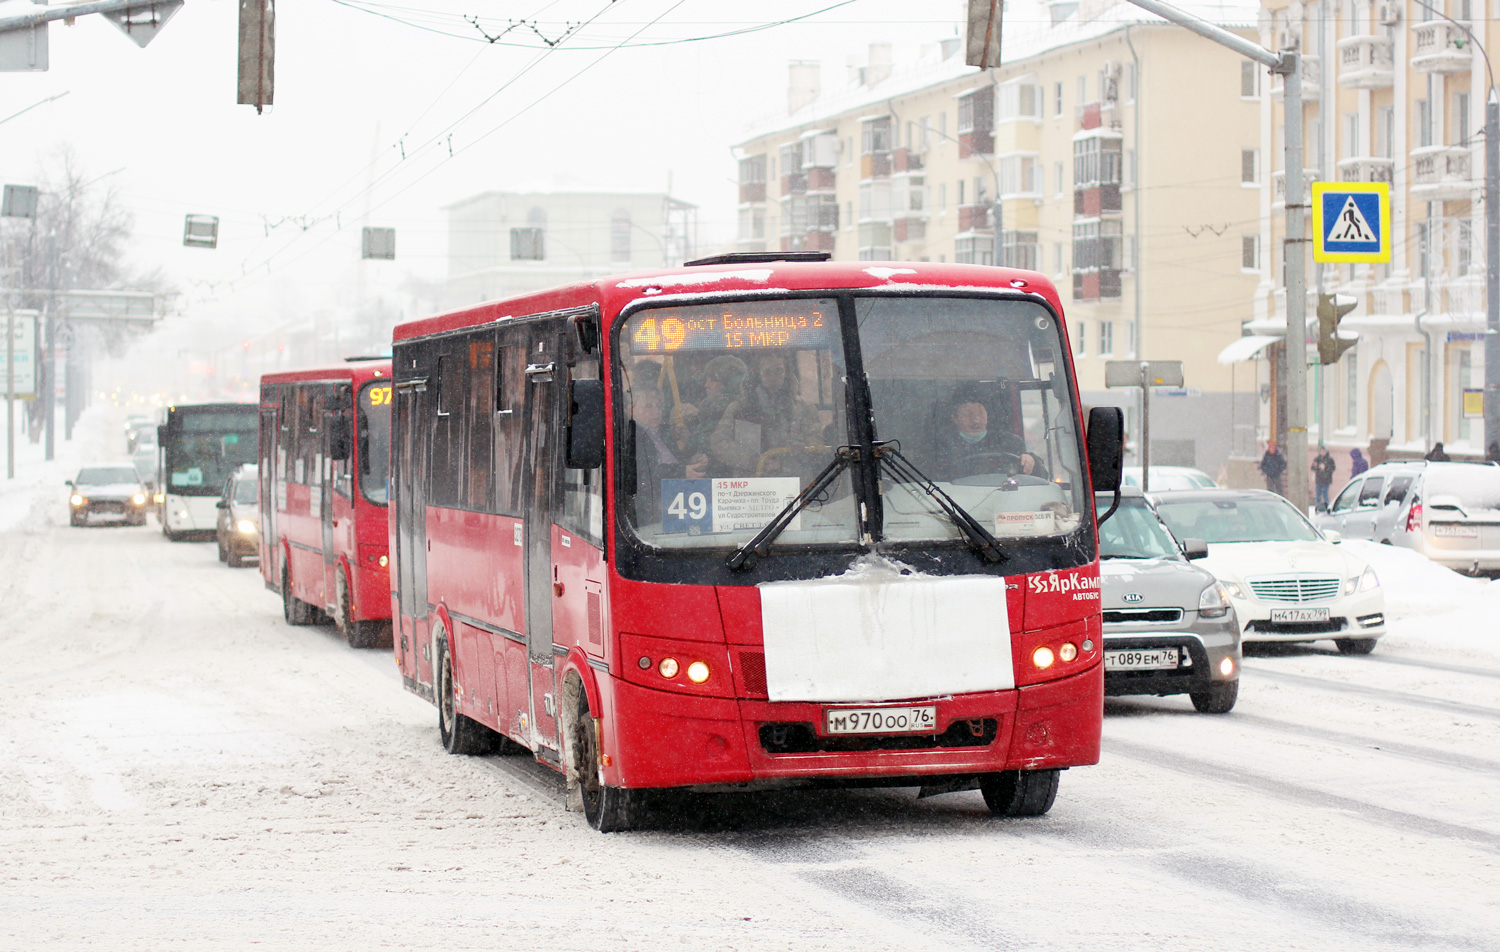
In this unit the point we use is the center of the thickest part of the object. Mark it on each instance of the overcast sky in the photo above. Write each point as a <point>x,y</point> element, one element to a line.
<point>358,84</point>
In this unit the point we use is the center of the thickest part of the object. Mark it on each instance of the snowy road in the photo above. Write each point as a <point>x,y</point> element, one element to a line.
<point>180,769</point>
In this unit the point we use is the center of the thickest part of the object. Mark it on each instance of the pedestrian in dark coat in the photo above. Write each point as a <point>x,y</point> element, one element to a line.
<point>1437,454</point>
<point>1323,468</point>
<point>1273,467</point>
<point>1357,462</point>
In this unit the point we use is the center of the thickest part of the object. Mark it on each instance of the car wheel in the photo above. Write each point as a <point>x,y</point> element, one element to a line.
<point>233,559</point>
<point>1355,646</point>
<point>459,734</point>
<point>75,519</point>
<point>1019,792</point>
<point>223,552</point>
<point>1218,699</point>
<point>293,609</point>
<point>607,809</point>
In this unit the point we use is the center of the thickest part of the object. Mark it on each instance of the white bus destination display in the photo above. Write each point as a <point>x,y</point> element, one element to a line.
<point>743,326</point>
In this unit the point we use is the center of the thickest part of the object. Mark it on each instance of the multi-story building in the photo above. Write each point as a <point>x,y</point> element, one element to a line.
<point>1116,153</point>
<point>1393,91</point>
<point>503,243</point>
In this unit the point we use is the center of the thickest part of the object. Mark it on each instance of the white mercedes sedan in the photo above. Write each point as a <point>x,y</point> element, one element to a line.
<point>1286,580</point>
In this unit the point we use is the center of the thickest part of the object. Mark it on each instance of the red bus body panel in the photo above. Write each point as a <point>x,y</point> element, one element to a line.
<point>609,632</point>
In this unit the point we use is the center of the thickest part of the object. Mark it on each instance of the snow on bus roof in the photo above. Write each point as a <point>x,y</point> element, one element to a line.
<point>757,275</point>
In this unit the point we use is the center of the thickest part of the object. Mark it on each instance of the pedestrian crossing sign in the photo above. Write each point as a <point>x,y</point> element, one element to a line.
<point>1351,222</point>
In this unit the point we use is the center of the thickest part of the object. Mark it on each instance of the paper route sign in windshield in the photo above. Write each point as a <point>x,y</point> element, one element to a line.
<point>705,506</point>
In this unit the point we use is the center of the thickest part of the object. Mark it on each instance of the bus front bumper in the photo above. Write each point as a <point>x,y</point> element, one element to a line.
<point>666,739</point>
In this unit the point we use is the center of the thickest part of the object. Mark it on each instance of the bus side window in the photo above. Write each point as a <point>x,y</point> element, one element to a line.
<point>510,425</point>
<point>448,464</point>
<point>583,492</point>
<point>480,422</point>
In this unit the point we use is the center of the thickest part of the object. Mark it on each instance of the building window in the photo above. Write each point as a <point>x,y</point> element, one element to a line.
<point>1080,334</point>
<point>1130,82</point>
<point>1352,145</point>
<point>1249,79</point>
<point>875,136</point>
<point>1249,166</point>
<point>527,244</point>
<point>1057,178</point>
<point>619,236</point>
<point>1424,122</point>
<point>1106,338</point>
<point>1096,162</point>
<point>1460,118</point>
<point>1019,249</point>
<point>753,223</point>
<point>1250,252</point>
<point>975,250</point>
<point>1017,101</point>
<point>1463,251</point>
<point>1385,132</point>
<point>1057,258</point>
<point>1057,99</point>
<point>1019,175</point>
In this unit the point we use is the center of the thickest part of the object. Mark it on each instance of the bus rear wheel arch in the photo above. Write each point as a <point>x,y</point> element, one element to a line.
<point>1019,792</point>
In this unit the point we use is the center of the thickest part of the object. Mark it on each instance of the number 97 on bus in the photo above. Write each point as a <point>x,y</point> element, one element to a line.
<point>687,506</point>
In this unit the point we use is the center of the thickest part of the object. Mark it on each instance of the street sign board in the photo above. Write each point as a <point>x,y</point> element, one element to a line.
<point>108,305</point>
<point>24,49</point>
<point>23,355</point>
<point>1351,222</point>
<point>1135,373</point>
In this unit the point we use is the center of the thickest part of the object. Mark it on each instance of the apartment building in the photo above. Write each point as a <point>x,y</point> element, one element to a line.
<point>503,243</point>
<point>1393,91</point>
<point>1113,152</point>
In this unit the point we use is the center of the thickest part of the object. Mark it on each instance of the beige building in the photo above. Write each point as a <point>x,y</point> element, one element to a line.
<point>1392,93</point>
<point>503,243</point>
<point>1126,156</point>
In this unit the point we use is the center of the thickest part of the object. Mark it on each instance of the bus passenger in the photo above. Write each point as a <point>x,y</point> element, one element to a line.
<point>653,457</point>
<point>770,416</point>
<point>723,384</point>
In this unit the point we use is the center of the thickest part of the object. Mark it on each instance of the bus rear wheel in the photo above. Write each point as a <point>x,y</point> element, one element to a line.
<point>608,809</point>
<point>359,634</point>
<point>293,609</point>
<point>459,734</point>
<point>1019,792</point>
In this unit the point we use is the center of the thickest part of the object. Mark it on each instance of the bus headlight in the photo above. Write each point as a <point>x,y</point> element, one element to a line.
<point>667,668</point>
<point>1042,657</point>
<point>246,526</point>
<point>698,672</point>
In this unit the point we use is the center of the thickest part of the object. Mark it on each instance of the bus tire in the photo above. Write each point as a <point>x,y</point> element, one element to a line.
<point>357,634</point>
<point>293,609</point>
<point>1218,699</point>
<point>459,734</point>
<point>607,809</point>
<point>1354,646</point>
<point>1019,792</point>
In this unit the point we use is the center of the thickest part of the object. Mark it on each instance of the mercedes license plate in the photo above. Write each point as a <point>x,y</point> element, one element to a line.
<point>1457,532</point>
<point>1300,614</point>
<point>881,720</point>
<point>1137,659</point>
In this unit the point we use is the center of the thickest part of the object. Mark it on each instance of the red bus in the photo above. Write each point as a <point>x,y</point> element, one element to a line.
<point>759,521</point>
<point>324,452</point>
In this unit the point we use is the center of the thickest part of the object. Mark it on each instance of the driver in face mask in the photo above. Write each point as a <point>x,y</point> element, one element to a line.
<point>972,448</point>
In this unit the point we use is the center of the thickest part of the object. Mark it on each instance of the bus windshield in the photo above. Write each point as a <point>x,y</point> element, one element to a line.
<point>205,446</point>
<point>731,410</point>
<point>374,440</point>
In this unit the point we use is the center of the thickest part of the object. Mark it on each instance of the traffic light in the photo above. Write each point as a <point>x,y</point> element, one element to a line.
<point>1331,310</point>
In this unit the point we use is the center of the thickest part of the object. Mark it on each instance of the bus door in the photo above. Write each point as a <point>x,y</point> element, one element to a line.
<point>339,398</point>
<point>409,476</point>
<point>270,433</point>
<point>542,389</point>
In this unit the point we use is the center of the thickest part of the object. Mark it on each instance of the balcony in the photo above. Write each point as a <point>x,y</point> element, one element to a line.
<point>752,192</point>
<point>1366,169</point>
<point>1440,47</point>
<point>907,160</point>
<point>820,180</point>
<point>1312,81</point>
<point>1278,188</point>
<point>973,218</point>
<point>1366,62</point>
<point>875,165</point>
<point>1442,173</point>
<point>909,229</point>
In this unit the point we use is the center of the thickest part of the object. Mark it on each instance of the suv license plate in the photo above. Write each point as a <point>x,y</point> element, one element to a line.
<point>1135,659</point>
<point>1457,532</point>
<point>1300,614</point>
<point>880,720</point>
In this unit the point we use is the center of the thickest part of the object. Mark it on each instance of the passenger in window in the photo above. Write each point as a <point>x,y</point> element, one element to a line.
<point>723,384</point>
<point>653,456</point>
<point>971,447</point>
<point>770,417</point>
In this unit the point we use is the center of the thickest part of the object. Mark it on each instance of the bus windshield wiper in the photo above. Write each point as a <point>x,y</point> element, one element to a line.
<point>978,537</point>
<point>754,550</point>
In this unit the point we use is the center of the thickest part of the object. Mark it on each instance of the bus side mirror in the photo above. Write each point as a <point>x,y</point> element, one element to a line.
<point>340,439</point>
<point>1106,447</point>
<point>586,424</point>
<point>1194,549</point>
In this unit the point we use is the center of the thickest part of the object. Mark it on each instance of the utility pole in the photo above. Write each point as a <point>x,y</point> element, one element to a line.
<point>1492,270</point>
<point>1288,65</point>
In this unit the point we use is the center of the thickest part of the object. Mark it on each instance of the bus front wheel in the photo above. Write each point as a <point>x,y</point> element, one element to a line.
<point>608,809</point>
<point>1019,792</point>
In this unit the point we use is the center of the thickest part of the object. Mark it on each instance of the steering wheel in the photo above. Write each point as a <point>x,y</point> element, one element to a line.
<point>1005,460</point>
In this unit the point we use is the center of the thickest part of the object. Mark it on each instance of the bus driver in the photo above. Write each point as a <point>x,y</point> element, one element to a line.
<point>972,448</point>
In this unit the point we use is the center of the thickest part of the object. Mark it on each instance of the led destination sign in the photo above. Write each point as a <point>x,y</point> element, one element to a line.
<point>785,324</point>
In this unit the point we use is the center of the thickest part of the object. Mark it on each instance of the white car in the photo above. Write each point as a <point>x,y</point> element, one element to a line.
<point>1170,478</point>
<point>1286,580</point>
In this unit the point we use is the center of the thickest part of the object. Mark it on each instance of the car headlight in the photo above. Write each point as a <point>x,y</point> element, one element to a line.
<point>139,499</point>
<point>247,526</point>
<point>1213,602</point>
<point>1232,589</point>
<point>76,500</point>
<point>1369,581</point>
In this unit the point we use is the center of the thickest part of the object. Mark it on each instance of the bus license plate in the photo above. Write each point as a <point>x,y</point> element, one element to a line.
<point>881,720</point>
<point>1300,614</point>
<point>1136,659</point>
<point>1457,532</point>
